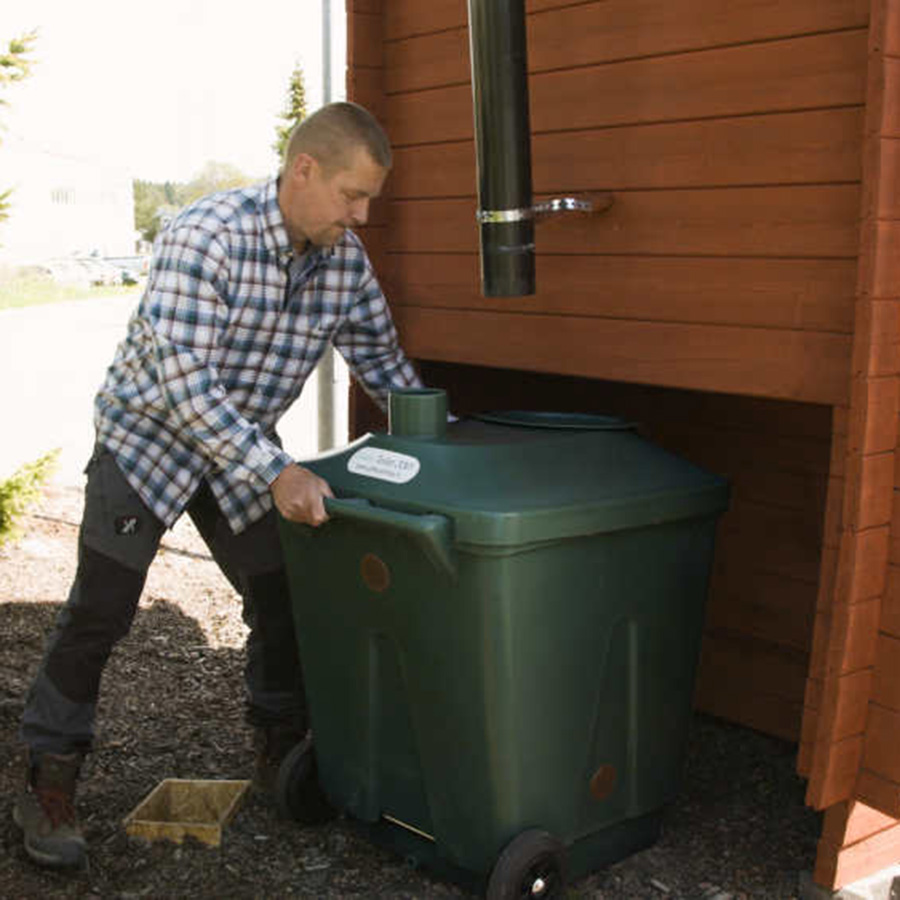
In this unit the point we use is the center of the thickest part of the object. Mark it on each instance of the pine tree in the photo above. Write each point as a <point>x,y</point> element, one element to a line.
<point>294,111</point>
<point>14,66</point>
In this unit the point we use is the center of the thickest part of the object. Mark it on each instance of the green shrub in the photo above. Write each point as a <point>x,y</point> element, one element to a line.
<point>21,489</point>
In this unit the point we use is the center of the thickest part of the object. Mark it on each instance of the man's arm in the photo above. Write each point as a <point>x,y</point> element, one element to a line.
<point>368,342</point>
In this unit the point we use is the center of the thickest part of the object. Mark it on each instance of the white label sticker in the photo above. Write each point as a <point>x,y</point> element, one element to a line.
<point>385,465</point>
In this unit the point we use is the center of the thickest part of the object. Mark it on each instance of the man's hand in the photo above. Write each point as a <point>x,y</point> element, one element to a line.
<point>300,494</point>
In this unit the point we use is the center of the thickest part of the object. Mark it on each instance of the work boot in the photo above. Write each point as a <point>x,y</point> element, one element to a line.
<point>272,743</point>
<point>45,811</point>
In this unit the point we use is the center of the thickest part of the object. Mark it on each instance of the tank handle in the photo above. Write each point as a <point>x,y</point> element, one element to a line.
<point>431,532</point>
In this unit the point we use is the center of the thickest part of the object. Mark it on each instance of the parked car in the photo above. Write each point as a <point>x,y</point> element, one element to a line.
<point>65,271</point>
<point>99,271</point>
<point>135,267</point>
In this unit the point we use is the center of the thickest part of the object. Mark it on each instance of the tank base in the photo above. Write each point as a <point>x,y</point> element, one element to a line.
<point>588,854</point>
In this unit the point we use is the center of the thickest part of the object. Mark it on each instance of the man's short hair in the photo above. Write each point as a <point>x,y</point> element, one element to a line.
<point>332,133</point>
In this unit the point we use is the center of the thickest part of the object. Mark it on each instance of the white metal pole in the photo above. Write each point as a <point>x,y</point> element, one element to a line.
<point>325,372</point>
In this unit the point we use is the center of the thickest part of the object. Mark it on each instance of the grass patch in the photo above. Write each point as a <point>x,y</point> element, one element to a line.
<point>33,290</point>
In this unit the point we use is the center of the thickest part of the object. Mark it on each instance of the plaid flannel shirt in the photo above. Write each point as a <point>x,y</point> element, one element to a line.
<point>229,328</point>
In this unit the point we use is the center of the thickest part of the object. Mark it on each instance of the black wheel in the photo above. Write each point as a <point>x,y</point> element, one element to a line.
<point>532,865</point>
<point>297,790</point>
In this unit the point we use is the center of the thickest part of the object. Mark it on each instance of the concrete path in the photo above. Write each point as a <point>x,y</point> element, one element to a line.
<point>53,358</point>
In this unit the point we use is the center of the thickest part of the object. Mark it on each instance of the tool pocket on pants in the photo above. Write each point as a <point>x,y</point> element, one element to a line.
<point>116,522</point>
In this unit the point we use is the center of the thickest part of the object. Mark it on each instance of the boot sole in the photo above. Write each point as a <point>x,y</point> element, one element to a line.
<point>47,859</point>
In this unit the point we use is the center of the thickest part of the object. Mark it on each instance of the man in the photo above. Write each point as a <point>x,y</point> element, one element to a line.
<point>246,290</point>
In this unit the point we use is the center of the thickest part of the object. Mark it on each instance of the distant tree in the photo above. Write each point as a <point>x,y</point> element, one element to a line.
<point>155,202</point>
<point>294,111</point>
<point>214,176</point>
<point>149,197</point>
<point>14,66</point>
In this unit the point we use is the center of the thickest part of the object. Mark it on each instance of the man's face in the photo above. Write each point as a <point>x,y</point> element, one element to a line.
<point>318,206</point>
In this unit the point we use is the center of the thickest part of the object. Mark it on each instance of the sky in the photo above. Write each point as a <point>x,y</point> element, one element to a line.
<point>160,88</point>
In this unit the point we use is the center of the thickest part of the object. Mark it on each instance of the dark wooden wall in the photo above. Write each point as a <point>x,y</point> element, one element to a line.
<point>727,261</point>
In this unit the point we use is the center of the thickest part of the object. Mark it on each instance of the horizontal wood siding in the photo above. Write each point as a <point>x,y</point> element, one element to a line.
<point>879,781</point>
<point>855,652</point>
<point>731,151</point>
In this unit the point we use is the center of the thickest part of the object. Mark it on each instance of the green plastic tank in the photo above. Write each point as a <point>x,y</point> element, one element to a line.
<point>499,626</point>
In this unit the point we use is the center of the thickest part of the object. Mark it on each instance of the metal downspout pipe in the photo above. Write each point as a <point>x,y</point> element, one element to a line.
<point>499,57</point>
<point>325,386</point>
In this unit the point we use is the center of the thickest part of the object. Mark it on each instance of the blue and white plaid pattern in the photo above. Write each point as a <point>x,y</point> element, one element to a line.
<point>228,330</point>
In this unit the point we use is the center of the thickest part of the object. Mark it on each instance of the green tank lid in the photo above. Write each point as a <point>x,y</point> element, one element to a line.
<point>517,478</point>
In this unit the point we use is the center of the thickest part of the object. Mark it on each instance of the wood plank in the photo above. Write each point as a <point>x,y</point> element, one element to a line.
<point>886,269</point>
<point>810,295</point>
<point>875,490</point>
<point>813,221</point>
<point>364,86</point>
<point>585,34</point>
<point>365,39</point>
<point>834,501</point>
<point>822,71</point>
<point>839,866</point>
<point>430,60</point>
<point>869,572</point>
<point>374,7</point>
<point>890,123</point>
<point>890,606</point>
<point>791,365</point>
<point>738,702</point>
<point>828,575</point>
<point>805,748</point>
<point>875,415</point>
<point>894,556</point>
<point>773,675</point>
<point>702,417</point>
<point>590,34</point>
<point>854,636</point>
<point>882,741</point>
<point>791,436</point>
<point>834,780</point>
<point>789,148</point>
<point>886,685</point>
<point>407,17</point>
<point>734,451</point>
<point>770,607</point>
<point>853,821</point>
<point>878,322</point>
<point>880,793</point>
<point>781,541</point>
<point>766,453</point>
<point>645,26</point>
<point>888,200</point>
<point>374,238</point>
<point>849,715</point>
<point>846,632</point>
<point>891,28</point>
<point>771,487</point>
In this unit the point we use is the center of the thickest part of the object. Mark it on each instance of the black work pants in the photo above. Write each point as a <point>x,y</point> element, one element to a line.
<point>118,539</point>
